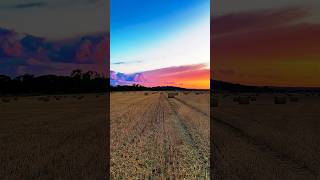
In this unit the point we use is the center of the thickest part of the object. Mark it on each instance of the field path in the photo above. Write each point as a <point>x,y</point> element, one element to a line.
<point>188,138</point>
<point>150,139</point>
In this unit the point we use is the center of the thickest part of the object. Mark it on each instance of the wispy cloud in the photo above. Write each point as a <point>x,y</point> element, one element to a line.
<point>256,20</point>
<point>55,19</point>
<point>189,45</point>
<point>29,5</point>
<point>49,3</point>
<point>189,76</point>
<point>125,62</point>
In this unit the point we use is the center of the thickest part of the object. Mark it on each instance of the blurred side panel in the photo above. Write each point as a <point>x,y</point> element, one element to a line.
<point>265,89</point>
<point>54,104</point>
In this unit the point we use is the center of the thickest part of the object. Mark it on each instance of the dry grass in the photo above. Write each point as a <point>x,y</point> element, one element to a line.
<point>199,101</point>
<point>155,137</point>
<point>44,138</point>
<point>263,140</point>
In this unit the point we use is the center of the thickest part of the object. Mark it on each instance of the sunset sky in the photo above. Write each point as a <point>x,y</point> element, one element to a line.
<point>161,42</point>
<point>266,42</point>
<point>165,42</point>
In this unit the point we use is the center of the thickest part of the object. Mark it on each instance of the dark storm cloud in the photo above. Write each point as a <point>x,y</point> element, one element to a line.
<point>26,53</point>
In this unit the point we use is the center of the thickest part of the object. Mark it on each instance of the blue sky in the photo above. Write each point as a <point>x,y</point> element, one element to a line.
<point>146,34</point>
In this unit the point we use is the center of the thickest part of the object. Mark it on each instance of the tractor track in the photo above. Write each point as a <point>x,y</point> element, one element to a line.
<point>187,135</point>
<point>216,150</point>
<point>261,146</point>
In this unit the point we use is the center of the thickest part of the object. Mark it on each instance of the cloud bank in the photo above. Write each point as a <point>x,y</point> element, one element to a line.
<point>24,53</point>
<point>188,76</point>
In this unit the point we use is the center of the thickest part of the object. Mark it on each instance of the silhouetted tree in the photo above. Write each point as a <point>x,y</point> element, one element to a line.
<point>77,82</point>
<point>77,73</point>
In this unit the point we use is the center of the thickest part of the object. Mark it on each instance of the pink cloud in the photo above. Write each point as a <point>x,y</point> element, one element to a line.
<point>190,76</point>
<point>23,53</point>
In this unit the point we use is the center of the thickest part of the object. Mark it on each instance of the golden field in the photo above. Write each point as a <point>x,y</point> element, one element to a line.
<point>153,136</point>
<point>54,137</point>
<point>264,140</point>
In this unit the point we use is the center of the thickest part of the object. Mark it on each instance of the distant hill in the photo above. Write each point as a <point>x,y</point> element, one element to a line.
<point>217,85</point>
<point>222,86</point>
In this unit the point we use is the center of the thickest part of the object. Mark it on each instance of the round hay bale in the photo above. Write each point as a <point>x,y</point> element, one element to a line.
<point>6,100</point>
<point>171,95</point>
<point>253,99</point>
<point>294,99</point>
<point>225,96</point>
<point>243,100</point>
<point>44,99</point>
<point>280,100</point>
<point>213,102</point>
<point>80,97</point>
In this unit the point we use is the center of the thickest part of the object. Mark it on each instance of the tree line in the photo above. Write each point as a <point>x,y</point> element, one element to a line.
<point>76,82</point>
<point>93,82</point>
<point>137,87</point>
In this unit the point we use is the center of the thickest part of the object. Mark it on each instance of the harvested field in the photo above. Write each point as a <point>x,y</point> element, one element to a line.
<point>270,138</point>
<point>159,137</point>
<point>54,137</point>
